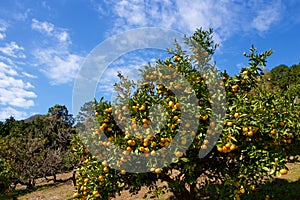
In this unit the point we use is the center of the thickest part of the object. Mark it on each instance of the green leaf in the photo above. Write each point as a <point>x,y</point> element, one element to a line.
<point>184,159</point>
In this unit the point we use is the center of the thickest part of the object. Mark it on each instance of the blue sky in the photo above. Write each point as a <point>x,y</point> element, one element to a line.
<point>43,44</point>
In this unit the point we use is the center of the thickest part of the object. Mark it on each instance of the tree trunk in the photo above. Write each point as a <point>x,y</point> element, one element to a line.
<point>74,177</point>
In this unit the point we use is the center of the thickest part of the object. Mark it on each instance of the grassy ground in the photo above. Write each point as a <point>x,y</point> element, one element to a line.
<point>285,187</point>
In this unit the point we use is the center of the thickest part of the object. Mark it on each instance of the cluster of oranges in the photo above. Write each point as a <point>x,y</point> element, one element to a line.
<point>228,147</point>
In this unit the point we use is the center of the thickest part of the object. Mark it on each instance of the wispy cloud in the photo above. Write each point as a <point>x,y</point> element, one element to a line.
<point>22,16</point>
<point>55,60</point>
<point>3,26</point>
<point>226,17</point>
<point>266,16</point>
<point>16,95</point>
<point>13,90</point>
<point>59,66</point>
<point>12,49</point>
<point>50,30</point>
<point>28,75</point>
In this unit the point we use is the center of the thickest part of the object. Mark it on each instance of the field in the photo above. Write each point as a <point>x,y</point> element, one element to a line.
<point>285,187</point>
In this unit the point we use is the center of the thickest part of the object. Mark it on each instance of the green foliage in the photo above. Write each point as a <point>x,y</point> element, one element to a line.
<point>284,77</point>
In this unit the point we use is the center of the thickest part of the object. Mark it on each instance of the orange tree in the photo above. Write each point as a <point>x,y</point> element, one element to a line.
<point>158,132</point>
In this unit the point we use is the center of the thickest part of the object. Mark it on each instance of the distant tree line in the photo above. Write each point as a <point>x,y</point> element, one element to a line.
<point>285,79</point>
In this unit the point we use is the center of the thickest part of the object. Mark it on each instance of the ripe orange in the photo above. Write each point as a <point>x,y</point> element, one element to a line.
<point>245,72</point>
<point>178,154</point>
<point>177,106</point>
<point>106,169</point>
<point>158,170</point>
<point>110,138</point>
<point>143,107</point>
<point>141,149</point>
<point>128,149</point>
<point>229,124</point>
<point>146,150</point>
<point>104,125</point>
<point>101,178</point>
<point>220,148</point>
<point>242,190</point>
<point>153,153</point>
<point>123,172</point>
<point>86,180</point>
<point>233,147</point>
<point>204,118</point>
<point>76,195</point>
<point>236,115</point>
<point>86,150</point>
<point>131,142</point>
<point>283,171</point>
<point>101,128</point>
<point>171,104</point>
<point>245,129</point>
<point>153,144</point>
<point>228,145</point>
<point>250,133</point>
<point>104,163</point>
<point>224,149</point>
<point>96,193</point>
<point>108,110</point>
<point>175,118</point>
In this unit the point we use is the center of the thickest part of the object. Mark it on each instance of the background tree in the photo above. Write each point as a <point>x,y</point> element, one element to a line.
<point>37,148</point>
<point>85,119</point>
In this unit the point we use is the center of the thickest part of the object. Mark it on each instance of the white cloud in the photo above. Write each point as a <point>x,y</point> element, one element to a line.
<point>267,16</point>
<point>29,75</point>
<point>42,26</point>
<point>12,49</point>
<point>55,60</point>
<point>225,16</point>
<point>59,66</point>
<point>50,30</point>
<point>22,16</point>
<point>2,36</point>
<point>45,5</point>
<point>3,26</point>
<point>13,90</point>
<point>9,111</point>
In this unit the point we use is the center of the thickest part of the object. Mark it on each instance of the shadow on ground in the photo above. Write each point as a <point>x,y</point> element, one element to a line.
<point>279,189</point>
